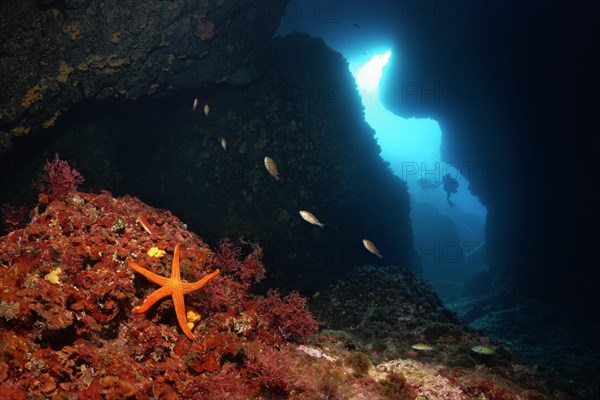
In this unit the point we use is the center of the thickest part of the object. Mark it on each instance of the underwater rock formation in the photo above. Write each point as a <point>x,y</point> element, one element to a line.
<point>510,85</point>
<point>67,327</point>
<point>396,319</point>
<point>152,145</point>
<point>56,54</point>
<point>305,114</point>
<point>66,298</point>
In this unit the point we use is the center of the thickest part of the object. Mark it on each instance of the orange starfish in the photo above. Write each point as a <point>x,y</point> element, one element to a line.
<point>172,286</point>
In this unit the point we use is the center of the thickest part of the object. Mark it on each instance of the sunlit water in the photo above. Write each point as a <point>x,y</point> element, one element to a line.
<point>412,147</point>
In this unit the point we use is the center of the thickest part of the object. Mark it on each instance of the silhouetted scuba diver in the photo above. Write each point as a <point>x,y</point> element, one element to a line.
<point>450,186</point>
<point>426,184</point>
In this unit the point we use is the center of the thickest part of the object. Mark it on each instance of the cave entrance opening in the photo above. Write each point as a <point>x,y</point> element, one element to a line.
<point>448,221</point>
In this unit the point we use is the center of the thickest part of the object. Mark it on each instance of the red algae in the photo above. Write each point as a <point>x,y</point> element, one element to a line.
<point>66,305</point>
<point>60,178</point>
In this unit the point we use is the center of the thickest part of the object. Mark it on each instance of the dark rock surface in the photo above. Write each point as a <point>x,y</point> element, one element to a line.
<point>512,86</point>
<point>569,354</point>
<point>109,86</point>
<point>303,112</point>
<point>387,309</point>
<point>384,311</point>
<point>54,54</point>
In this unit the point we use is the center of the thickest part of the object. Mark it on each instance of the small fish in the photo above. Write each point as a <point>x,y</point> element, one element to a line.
<point>206,109</point>
<point>481,349</point>
<point>224,144</point>
<point>371,247</point>
<point>272,168</point>
<point>356,26</point>
<point>421,347</point>
<point>195,104</point>
<point>308,217</point>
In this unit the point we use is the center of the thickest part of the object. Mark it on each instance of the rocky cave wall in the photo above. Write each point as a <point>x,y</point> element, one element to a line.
<point>510,84</point>
<point>55,54</point>
<point>296,104</point>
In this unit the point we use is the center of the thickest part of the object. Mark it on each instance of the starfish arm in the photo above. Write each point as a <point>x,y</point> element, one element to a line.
<point>153,298</point>
<point>175,274</point>
<point>151,276</point>
<point>180,312</point>
<point>190,287</point>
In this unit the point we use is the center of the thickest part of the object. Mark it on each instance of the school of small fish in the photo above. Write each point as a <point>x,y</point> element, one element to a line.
<point>274,172</point>
<point>310,218</point>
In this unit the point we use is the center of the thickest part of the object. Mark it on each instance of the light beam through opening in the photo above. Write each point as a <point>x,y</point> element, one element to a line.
<point>412,147</point>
